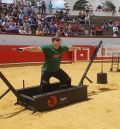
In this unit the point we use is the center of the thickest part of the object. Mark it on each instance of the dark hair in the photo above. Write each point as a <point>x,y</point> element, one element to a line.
<point>56,38</point>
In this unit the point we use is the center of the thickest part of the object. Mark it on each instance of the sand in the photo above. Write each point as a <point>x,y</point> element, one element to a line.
<point>101,111</point>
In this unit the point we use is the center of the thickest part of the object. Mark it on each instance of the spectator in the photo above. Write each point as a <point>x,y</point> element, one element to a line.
<point>43,7</point>
<point>39,5</point>
<point>27,30</point>
<point>110,24</point>
<point>99,30</point>
<point>39,31</point>
<point>99,8</point>
<point>54,29</point>
<point>21,30</point>
<point>93,31</point>
<point>106,25</point>
<point>115,31</point>
<point>86,31</point>
<point>87,19</point>
<point>50,7</point>
<point>81,17</point>
<point>113,10</point>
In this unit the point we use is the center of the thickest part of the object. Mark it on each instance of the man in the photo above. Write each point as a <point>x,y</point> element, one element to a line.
<point>115,31</point>
<point>51,68</point>
<point>39,5</point>
<point>50,7</point>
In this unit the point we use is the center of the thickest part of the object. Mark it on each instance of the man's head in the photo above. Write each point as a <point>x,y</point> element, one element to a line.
<point>56,41</point>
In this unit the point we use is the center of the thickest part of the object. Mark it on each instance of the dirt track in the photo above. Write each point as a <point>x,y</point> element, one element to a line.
<point>101,111</point>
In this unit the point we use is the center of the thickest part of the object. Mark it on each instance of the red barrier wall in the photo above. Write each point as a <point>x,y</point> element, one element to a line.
<point>8,54</point>
<point>84,52</point>
<point>81,55</point>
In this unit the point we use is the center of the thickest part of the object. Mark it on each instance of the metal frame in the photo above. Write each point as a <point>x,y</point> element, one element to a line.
<point>115,62</point>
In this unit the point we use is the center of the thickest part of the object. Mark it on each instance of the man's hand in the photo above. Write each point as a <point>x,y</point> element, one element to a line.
<point>20,49</point>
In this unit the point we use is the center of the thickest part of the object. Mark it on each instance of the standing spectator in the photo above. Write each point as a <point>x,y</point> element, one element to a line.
<point>43,7</point>
<point>113,10</point>
<point>81,17</point>
<point>39,5</point>
<point>50,6</point>
<point>87,19</point>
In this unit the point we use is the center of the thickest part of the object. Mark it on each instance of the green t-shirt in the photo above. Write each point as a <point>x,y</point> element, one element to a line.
<point>52,57</point>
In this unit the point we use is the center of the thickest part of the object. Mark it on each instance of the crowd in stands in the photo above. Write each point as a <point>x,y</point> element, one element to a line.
<point>31,18</point>
<point>25,18</point>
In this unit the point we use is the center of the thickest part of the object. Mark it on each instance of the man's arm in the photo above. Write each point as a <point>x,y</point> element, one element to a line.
<point>30,49</point>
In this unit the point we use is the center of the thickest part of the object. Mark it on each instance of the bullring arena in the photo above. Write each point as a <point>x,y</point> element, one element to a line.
<point>82,105</point>
<point>100,110</point>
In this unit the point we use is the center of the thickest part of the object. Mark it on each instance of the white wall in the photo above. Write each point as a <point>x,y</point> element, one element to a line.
<point>36,40</point>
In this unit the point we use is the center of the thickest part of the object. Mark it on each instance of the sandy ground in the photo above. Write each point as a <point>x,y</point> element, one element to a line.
<point>101,111</point>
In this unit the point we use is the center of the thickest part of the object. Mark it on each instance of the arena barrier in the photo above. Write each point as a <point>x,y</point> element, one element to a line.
<point>84,53</point>
<point>8,54</point>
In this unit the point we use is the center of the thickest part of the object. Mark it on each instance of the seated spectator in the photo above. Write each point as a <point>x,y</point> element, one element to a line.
<point>69,31</point>
<point>86,32</point>
<point>117,24</point>
<point>39,31</point>
<point>99,30</point>
<point>54,29</point>
<point>27,30</point>
<point>21,30</point>
<point>110,23</point>
<point>106,25</point>
<point>115,31</point>
<point>93,31</point>
<point>2,29</point>
<point>65,30</point>
<point>12,28</point>
<point>46,30</point>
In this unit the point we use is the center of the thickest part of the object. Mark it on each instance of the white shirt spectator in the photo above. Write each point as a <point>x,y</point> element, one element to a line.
<point>21,30</point>
<point>87,19</point>
<point>115,29</point>
<point>39,3</point>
